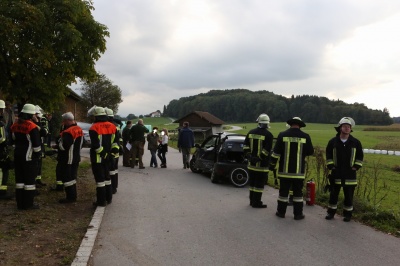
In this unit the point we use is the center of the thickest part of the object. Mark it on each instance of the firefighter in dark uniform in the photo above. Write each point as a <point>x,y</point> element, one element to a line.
<point>103,143</point>
<point>59,183</point>
<point>257,147</point>
<point>43,126</point>
<point>69,155</point>
<point>291,148</point>
<point>5,162</point>
<point>115,159</point>
<point>27,152</point>
<point>344,156</point>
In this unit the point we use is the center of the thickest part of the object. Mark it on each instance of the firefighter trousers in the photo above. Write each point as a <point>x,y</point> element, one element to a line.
<point>69,175</point>
<point>101,172</point>
<point>285,184</point>
<point>348,192</point>
<point>25,175</point>
<point>257,182</point>
<point>114,174</point>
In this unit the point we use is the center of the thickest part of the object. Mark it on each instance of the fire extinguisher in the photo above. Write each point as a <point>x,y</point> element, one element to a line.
<point>310,198</point>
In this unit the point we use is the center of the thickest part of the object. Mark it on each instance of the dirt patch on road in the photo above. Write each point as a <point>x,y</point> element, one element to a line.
<point>50,235</point>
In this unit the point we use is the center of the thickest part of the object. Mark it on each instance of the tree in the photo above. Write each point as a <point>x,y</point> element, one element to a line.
<point>131,117</point>
<point>101,92</point>
<point>45,45</point>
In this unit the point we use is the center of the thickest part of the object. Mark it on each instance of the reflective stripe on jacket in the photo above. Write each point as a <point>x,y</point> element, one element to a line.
<point>291,148</point>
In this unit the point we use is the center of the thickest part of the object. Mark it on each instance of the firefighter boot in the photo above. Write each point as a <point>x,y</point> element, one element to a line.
<point>330,214</point>
<point>251,194</point>
<point>28,203</point>
<point>109,194</point>
<point>281,210</point>
<point>70,193</point>
<point>347,216</point>
<point>257,203</point>
<point>19,197</point>
<point>114,183</point>
<point>101,197</point>
<point>298,210</point>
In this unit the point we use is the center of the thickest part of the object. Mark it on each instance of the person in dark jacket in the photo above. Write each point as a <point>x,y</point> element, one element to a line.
<point>103,143</point>
<point>344,156</point>
<point>125,140</point>
<point>152,146</point>
<point>185,143</point>
<point>291,148</point>
<point>69,155</point>
<point>257,147</point>
<point>137,141</point>
<point>27,152</point>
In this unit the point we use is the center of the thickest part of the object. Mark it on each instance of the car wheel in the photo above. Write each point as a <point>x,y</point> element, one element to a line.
<point>239,177</point>
<point>214,178</point>
<point>191,164</point>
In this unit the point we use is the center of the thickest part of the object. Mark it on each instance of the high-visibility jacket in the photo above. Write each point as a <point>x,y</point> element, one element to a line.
<point>70,144</point>
<point>258,145</point>
<point>291,148</point>
<point>103,140</point>
<point>342,157</point>
<point>26,137</point>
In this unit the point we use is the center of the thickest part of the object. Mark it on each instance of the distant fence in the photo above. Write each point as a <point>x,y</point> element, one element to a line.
<point>372,151</point>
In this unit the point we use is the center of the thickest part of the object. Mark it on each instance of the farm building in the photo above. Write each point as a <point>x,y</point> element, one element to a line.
<point>203,124</point>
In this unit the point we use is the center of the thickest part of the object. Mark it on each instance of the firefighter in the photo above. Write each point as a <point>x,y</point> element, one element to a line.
<point>69,155</point>
<point>344,156</point>
<point>27,152</point>
<point>43,129</point>
<point>114,163</point>
<point>291,148</point>
<point>103,143</point>
<point>5,162</point>
<point>257,147</point>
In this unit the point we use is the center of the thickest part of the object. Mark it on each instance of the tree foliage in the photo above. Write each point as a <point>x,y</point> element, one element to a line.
<point>101,92</point>
<point>44,46</point>
<point>242,105</point>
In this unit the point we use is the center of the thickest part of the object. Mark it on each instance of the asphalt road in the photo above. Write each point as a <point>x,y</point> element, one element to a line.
<point>175,217</point>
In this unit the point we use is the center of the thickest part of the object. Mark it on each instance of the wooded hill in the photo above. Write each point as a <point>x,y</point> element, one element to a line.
<point>241,105</point>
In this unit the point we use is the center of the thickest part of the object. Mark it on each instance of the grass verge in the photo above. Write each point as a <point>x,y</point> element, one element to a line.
<point>52,234</point>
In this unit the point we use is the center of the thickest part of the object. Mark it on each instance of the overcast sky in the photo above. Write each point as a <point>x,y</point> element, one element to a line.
<point>160,50</point>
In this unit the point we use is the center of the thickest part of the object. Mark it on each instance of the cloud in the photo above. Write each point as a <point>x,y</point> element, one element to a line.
<point>164,50</point>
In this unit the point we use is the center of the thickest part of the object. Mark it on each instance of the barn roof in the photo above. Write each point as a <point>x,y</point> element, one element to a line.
<point>203,115</point>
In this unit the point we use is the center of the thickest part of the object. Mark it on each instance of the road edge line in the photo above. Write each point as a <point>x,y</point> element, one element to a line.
<point>85,249</point>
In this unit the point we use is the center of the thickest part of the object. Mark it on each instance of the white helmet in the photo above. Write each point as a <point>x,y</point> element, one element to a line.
<point>109,112</point>
<point>263,119</point>
<point>2,104</point>
<point>29,109</point>
<point>347,120</point>
<point>96,111</point>
<point>38,111</point>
